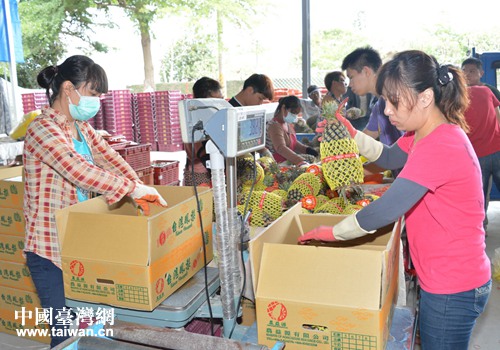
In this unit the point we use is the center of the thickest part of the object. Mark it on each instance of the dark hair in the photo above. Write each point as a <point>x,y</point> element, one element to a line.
<point>411,72</point>
<point>261,84</point>
<point>290,102</point>
<point>362,57</point>
<point>473,60</point>
<point>204,87</point>
<point>331,77</point>
<point>79,70</point>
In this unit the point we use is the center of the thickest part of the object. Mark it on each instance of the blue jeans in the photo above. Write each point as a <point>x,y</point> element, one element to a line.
<point>49,285</point>
<point>446,320</point>
<point>490,170</point>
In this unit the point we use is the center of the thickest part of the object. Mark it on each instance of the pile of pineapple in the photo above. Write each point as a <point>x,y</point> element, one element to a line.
<point>331,187</point>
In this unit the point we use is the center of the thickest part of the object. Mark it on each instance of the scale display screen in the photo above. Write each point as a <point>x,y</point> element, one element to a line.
<point>251,131</point>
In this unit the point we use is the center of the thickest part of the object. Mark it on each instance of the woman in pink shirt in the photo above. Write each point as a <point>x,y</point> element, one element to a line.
<point>439,192</point>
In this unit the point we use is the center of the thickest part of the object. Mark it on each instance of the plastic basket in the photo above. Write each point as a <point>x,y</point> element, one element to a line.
<point>146,176</point>
<point>166,172</point>
<point>138,156</point>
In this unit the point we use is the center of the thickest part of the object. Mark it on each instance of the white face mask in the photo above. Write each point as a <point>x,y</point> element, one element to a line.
<point>291,118</point>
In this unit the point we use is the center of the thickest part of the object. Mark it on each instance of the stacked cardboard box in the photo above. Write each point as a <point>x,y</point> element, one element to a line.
<point>16,286</point>
<point>337,295</point>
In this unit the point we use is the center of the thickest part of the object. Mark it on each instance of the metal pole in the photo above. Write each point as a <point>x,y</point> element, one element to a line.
<point>12,54</point>
<point>306,46</point>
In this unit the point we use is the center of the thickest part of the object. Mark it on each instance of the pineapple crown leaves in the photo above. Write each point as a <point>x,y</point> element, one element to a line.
<point>331,108</point>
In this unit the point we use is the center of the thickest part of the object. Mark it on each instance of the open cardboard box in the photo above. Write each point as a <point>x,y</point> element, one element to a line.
<point>11,187</point>
<point>111,255</point>
<point>328,296</point>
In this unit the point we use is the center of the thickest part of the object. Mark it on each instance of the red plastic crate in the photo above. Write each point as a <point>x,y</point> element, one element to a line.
<point>138,156</point>
<point>162,147</point>
<point>166,172</point>
<point>146,176</point>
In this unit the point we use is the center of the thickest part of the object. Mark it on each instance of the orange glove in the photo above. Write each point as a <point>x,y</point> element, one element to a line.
<point>347,124</point>
<point>321,233</point>
<point>145,195</point>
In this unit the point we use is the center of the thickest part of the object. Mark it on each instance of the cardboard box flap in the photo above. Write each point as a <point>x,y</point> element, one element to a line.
<point>10,172</point>
<point>178,194</point>
<point>83,238</point>
<point>298,273</point>
<point>292,224</point>
<point>280,234</point>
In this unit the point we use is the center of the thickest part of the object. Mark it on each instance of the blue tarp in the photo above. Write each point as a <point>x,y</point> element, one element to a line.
<point>16,29</point>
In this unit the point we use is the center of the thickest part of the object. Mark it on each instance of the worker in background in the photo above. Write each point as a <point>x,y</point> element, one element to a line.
<point>361,67</point>
<point>473,70</point>
<point>483,118</point>
<point>204,87</point>
<point>257,88</point>
<point>444,222</point>
<point>281,139</point>
<point>336,84</point>
<point>311,107</point>
<point>65,161</point>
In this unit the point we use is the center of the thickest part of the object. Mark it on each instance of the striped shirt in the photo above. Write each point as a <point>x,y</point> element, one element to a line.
<point>53,170</point>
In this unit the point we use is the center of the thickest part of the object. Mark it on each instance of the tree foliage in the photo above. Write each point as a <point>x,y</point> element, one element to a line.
<point>45,25</point>
<point>241,13</point>
<point>143,13</point>
<point>329,47</point>
<point>189,59</point>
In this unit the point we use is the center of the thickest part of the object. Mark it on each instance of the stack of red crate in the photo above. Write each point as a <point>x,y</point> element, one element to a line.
<point>167,120</point>
<point>33,101</point>
<point>144,117</point>
<point>98,121</point>
<point>139,158</point>
<point>117,112</point>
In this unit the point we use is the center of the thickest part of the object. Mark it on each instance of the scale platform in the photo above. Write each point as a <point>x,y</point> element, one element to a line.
<point>176,311</point>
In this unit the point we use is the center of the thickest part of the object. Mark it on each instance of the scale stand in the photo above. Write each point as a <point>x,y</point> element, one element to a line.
<point>185,304</point>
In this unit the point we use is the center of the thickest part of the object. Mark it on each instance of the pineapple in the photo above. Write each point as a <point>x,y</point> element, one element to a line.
<point>305,184</point>
<point>340,161</point>
<point>265,206</point>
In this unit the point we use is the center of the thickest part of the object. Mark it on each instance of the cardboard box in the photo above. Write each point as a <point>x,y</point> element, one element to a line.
<point>331,296</point>
<point>14,299</point>
<point>16,275</point>
<point>11,187</point>
<point>11,248</point>
<point>10,324</point>
<point>12,221</point>
<point>111,255</point>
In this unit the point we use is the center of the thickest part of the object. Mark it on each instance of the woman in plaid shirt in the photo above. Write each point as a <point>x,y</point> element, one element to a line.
<point>65,160</point>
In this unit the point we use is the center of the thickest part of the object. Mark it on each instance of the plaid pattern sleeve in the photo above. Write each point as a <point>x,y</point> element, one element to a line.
<point>53,170</point>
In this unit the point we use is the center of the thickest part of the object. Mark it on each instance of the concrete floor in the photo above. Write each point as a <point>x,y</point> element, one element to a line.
<point>486,335</point>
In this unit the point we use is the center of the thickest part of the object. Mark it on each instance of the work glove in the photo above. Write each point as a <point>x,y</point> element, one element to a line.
<point>348,228</point>
<point>311,151</point>
<point>145,195</point>
<point>320,233</point>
